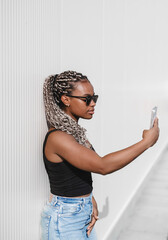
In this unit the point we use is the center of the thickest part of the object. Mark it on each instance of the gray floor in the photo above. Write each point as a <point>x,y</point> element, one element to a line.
<point>149,220</point>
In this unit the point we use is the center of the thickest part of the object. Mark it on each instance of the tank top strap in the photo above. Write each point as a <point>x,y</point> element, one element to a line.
<point>51,131</point>
<point>92,148</point>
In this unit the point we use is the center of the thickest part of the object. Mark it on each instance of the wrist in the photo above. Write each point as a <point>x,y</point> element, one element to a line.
<point>146,143</point>
<point>94,202</point>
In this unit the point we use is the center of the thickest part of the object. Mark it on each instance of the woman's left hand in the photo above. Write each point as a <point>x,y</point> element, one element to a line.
<point>94,216</point>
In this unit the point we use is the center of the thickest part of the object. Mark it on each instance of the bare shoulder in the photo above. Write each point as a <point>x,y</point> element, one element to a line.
<point>66,147</point>
<point>60,136</point>
<point>60,141</point>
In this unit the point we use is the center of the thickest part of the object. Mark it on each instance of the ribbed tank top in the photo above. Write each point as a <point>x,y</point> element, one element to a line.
<point>65,179</point>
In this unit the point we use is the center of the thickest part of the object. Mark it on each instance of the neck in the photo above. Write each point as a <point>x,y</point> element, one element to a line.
<point>74,117</point>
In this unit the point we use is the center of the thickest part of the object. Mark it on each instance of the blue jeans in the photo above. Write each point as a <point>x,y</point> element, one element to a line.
<point>67,219</point>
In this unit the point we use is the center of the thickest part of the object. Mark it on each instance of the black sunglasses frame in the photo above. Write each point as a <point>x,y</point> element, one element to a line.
<point>87,99</point>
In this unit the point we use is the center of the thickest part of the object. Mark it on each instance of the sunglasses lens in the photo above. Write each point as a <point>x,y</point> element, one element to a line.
<point>95,97</point>
<point>89,99</point>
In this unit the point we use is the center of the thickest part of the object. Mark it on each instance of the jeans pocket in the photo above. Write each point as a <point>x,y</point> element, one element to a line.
<point>89,211</point>
<point>71,208</point>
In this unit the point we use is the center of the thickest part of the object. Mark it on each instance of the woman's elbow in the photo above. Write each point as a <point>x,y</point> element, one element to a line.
<point>102,169</point>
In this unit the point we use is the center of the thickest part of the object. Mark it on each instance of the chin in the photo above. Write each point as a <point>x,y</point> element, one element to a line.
<point>87,117</point>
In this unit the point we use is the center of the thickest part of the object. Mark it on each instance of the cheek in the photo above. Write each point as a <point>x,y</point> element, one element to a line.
<point>80,108</point>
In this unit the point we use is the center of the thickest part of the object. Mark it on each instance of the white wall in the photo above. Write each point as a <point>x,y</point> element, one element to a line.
<point>122,47</point>
<point>135,60</point>
<point>30,51</point>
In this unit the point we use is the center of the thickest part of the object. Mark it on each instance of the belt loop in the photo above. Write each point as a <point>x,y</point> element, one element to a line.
<point>56,200</point>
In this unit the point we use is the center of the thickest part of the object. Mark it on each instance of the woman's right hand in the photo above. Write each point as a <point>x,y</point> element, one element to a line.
<point>151,136</point>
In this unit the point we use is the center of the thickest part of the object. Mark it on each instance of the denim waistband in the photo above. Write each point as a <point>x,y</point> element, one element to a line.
<point>60,199</point>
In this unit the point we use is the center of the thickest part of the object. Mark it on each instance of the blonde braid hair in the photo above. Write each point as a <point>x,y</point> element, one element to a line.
<point>54,87</point>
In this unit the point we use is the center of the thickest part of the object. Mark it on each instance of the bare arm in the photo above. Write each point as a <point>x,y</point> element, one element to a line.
<point>86,159</point>
<point>123,157</point>
<point>94,201</point>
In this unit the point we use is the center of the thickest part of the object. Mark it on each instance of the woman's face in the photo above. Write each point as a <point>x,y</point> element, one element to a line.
<point>77,107</point>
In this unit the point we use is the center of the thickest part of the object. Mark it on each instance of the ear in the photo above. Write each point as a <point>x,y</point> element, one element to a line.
<point>66,100</point>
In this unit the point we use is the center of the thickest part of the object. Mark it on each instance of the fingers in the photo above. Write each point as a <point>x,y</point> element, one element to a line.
<point>97,218</point>
<point>89,230</point>
<point>92,223</point>
<point>156,122</point>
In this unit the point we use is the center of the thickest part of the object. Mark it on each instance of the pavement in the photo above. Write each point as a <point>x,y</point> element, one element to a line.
<point>149,218</point>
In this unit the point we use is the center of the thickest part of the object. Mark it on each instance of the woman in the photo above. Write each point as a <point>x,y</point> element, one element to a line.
<point>69,158</point>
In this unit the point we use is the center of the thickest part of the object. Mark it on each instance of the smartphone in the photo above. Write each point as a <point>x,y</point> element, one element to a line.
<point>153,116</point>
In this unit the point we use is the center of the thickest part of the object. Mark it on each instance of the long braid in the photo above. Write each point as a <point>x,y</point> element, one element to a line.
<point>54,87</point>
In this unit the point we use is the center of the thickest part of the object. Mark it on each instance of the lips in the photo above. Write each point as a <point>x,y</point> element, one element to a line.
<point>91,111</point>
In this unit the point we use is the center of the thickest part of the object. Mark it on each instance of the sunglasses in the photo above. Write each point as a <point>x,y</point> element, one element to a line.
<point>87,99</point>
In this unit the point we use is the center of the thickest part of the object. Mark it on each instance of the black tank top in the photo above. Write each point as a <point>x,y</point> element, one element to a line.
<point>65,179</point>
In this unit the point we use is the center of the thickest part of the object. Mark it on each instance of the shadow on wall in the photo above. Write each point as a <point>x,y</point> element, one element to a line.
<point>105,209</point>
